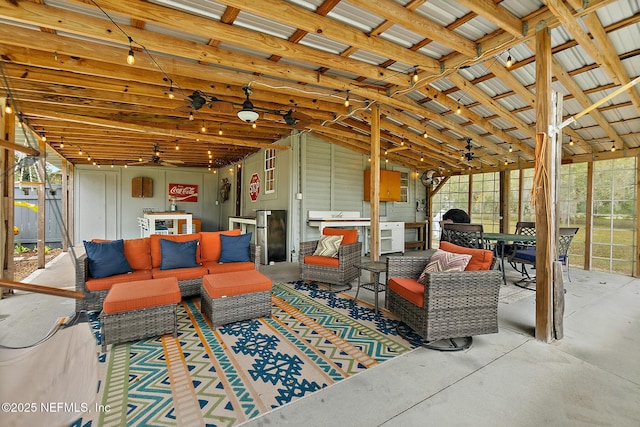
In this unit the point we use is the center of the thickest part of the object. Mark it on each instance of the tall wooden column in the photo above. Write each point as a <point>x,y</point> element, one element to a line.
<point>374,246</point>
<point>544,188</point>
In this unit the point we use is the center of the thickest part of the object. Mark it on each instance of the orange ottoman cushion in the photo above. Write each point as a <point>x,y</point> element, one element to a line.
<point>129,296</point>
<point>235,283</point>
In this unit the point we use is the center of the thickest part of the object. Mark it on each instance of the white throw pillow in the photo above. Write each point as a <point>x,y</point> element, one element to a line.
<point>328,246</point>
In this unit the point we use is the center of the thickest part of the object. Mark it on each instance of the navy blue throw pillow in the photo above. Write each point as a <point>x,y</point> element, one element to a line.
<point>106,258</point>
<point>235,248</point>
<point>178,254</point>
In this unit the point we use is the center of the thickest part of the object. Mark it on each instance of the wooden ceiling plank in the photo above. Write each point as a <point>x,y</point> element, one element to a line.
<point>297,17</point>
<point>394,12</point>
<point>496,14</point>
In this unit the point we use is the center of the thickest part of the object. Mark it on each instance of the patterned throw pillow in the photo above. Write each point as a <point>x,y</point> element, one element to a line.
<point>445,262</point>
<point>328,246</point>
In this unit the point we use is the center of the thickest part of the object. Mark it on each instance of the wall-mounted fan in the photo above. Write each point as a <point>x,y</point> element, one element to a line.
<point>156,160</point>
<point>428,178</point>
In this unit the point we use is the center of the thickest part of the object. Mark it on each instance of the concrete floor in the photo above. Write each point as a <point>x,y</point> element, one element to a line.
<point>590,377</point>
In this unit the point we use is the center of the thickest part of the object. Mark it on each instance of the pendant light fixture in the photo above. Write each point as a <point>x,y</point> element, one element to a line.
<point>247,114</point>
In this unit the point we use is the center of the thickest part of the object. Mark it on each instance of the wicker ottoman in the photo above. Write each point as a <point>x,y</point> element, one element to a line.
<point>235,296</point>
<point>140,309</point>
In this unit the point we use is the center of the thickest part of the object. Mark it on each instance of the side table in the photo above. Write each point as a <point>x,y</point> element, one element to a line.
<point>374,267</point>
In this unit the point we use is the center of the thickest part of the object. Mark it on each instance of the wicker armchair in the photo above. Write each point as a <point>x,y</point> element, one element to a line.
<point>456,305</point>
<point>341,272</point>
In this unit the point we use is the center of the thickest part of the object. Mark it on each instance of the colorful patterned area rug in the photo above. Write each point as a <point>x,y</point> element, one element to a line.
<point>227,375</point>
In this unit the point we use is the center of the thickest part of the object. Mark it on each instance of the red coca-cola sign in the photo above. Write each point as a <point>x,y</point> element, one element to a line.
<point>254,187</point>
<point>183,192</point>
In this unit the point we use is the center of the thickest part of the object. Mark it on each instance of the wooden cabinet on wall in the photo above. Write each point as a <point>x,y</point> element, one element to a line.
<point>389,185</point>
<point>141,187</point>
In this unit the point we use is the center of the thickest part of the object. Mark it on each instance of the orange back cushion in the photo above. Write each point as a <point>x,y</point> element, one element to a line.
<point>210,242</point>
<point>136,251</point>
<point>481,259</point>
<point>348,235</point>
<point>156,253</point>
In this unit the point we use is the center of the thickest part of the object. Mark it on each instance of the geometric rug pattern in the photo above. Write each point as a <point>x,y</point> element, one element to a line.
<point>232,373</point>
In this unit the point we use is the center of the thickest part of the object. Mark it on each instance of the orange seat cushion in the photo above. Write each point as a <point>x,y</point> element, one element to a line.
<point>105,283</point>
<point>227,267</point>
<point>408,289</point>
<point>180,273</point>
<point>325,261</point>
<point>156,253</point>
<point>481,259</point>
<point>348,235</point>
<point>140,294</point>
<point>235,283</point>
<point>210,243</point>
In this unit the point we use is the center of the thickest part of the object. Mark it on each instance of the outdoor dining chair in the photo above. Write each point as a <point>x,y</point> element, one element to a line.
<point>526,255</point>
<point>465,235</point>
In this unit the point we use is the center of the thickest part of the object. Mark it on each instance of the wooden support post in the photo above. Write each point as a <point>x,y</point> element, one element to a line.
<point>374,247</point>
<point>543,188</point>
<point>42,188</point>
<point>588,231</point>
<point>7,125</point>
<point>505,196</point>
<point>636,271</point>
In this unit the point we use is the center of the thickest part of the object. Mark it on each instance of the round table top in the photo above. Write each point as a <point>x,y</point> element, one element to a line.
<point>374,266</point>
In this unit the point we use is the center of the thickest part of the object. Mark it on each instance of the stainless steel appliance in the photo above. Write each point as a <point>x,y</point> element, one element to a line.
<point>271,235</point>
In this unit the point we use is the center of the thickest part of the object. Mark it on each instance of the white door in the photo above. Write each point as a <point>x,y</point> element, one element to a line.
<point>96,206</point>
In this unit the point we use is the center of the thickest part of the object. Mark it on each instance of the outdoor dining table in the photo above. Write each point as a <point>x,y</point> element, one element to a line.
<point>500,239</point>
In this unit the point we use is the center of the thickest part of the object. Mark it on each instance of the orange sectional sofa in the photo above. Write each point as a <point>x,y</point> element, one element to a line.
<point>145,258</point>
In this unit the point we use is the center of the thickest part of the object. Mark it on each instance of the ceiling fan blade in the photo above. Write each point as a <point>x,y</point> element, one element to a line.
<point>166,163</point>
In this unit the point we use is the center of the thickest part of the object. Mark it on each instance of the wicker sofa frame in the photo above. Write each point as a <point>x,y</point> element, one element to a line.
<point>348,255</point>
<point>456,305</point>
<point>94,299</point>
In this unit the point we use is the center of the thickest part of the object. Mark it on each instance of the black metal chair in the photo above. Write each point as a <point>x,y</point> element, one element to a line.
<point>466,235</point>
<point>526,255</point>
<point>526,228</point>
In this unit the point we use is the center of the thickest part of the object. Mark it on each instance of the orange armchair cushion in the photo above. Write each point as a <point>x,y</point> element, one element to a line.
<point>408,289</point>
<point>348,235</point>
<point>481,259</point>
<point>324,261</point>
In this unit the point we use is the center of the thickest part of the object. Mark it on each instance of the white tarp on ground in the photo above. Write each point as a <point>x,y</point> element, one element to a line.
<point>50,384</point>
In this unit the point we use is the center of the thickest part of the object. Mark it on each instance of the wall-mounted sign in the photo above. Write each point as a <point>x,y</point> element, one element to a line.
<point>254,187</point>
<point>183,192</point>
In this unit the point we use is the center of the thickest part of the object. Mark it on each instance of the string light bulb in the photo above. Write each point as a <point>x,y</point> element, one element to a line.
<point>130,57</point>
<point>170,93</point>
<point>415,76</point>
<point>220,130</point>
<point>61,141</point>
<point>509,61</point>
<point>613,147</point>
<point>203,128</point>
<point>570,141</point>
<point>458,110</point>
<point>191,115</point>
<point>346,100</point>
<point>7,106</point>
<point>80,151</point>
<point>421,158</point>
<point>43,138</point>
<point>510,148</point>
<point>177,146</point>
<point>253,125</point>
<point>140,159</point>
<point>425,135</point>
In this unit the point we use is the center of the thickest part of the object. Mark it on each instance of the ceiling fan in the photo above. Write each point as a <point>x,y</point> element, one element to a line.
<point>155,159</point>
<point>247,112</point>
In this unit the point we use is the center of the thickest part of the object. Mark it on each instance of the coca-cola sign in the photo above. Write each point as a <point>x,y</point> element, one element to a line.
<point>183,192</point>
